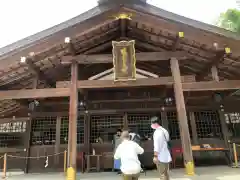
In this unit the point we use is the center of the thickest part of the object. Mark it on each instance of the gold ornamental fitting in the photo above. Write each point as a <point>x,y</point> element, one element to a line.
<point>227,50</point>
<point>189,168</point>
<point>124,16</point>
<point>181,34</point>
<point>71,174</point>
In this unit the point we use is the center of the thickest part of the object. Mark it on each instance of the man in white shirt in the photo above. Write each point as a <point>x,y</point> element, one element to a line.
<point>162,156</point>
<point>128,152</point>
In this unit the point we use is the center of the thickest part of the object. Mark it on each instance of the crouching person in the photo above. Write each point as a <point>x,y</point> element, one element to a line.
<point>128,152</point>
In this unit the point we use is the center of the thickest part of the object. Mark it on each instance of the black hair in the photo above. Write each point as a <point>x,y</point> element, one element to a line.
<point>154,120</point>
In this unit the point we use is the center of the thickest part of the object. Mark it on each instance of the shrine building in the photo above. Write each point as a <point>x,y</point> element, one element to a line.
<point>72,86</point>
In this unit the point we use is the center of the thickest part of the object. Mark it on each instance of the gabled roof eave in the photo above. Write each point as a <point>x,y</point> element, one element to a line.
<point>161,13</point>
<point>33,39</point>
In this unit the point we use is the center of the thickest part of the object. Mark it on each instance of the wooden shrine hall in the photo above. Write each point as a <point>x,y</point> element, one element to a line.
<point>113,67</point>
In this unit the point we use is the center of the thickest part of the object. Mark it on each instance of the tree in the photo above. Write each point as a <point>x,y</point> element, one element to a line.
<point>230,20</point>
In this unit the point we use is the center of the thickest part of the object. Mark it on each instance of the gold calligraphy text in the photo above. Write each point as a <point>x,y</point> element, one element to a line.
<point>124,60</point>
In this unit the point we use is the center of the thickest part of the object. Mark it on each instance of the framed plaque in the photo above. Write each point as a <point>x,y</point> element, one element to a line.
<point>124,60</point>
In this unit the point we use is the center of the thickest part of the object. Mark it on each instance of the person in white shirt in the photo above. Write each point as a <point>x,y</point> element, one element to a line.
<point>162,156</point>
<point>128,152</point>
<point>116,141</point>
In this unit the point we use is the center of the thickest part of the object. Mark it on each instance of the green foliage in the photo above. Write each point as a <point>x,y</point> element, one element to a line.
<point>230,20</point>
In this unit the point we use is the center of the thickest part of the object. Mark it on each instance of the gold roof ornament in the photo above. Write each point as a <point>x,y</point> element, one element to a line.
<point>124,16</point>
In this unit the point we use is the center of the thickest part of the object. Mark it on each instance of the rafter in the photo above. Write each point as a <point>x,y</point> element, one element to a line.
<point>95,41</point>
<point>29,61</point>
<point>178,40</point>
<point>99,46</point>
<point>169,41</point>
<point>193,56</point>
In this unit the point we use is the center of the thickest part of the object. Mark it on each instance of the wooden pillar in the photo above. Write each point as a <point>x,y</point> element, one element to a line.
<point>73,115</point>
<point>87,126</point>
<point>182,117</point>
<point>87,133</point>
<point>194,128</point>
<point>28,139</point>
<point>57,140</point>
<point>164,120</point>
<point>221,113</point>
<point>125,121</point>
<point>224,127</point>
<point>28,136</point>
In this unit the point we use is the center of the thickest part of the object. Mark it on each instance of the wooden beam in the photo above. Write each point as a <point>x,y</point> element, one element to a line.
<point>34,93</point>
<point>108,58</point>
<point>91,84</point>
<point>117,111</point>
<point>212,85</point>
<point>160,101</point>
<point>14,119</point>
<point>188,84</point>
<point>11,150</point>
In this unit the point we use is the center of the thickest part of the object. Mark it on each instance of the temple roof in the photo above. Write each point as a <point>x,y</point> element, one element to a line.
<point>92,32</point>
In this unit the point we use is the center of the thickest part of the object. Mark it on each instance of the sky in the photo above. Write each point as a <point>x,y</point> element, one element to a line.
<point>22,18</point>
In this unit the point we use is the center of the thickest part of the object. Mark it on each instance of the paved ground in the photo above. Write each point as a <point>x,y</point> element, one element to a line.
<point>209,173</point>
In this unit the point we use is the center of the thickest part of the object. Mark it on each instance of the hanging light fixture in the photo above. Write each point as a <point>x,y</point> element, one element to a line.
<point>163,108</point>
<point>32,105</point>
<point>221,107</point>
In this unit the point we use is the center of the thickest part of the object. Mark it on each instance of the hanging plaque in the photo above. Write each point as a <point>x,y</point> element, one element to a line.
<point>124,60</point>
